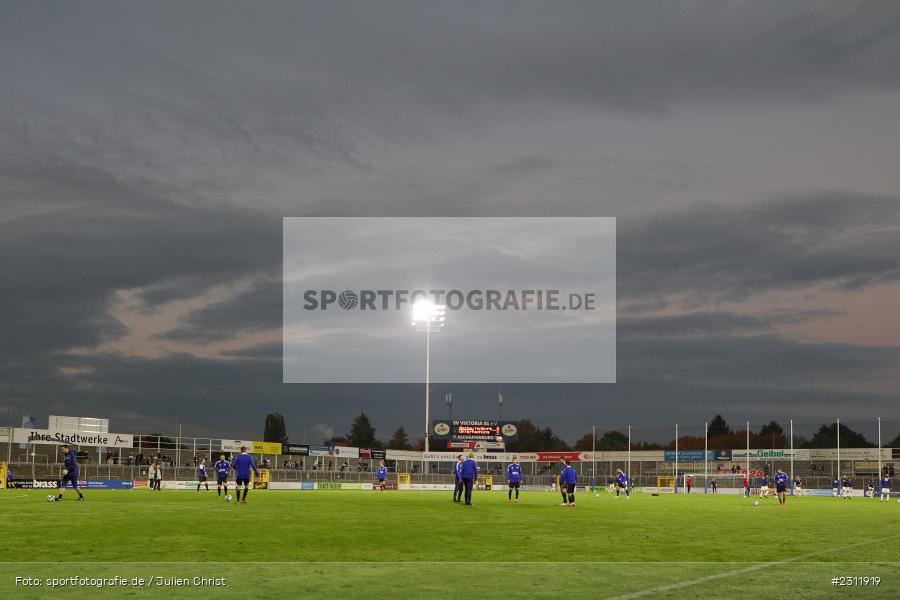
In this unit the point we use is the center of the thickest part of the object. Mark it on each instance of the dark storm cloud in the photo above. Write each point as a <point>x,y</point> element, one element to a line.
<point>672,376</point>
<point>715,252</point>
<point>731,350</point>
<point>700,324</point>
<point>62,265</point>
<point>256,308</point>
<point>129,132</point>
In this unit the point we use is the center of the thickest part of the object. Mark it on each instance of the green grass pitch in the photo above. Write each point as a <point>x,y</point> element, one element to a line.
<point>356,544</point>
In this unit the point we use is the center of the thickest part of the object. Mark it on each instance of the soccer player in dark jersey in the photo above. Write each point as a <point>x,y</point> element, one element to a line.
<point>621,483</point>
<point>568,478</point>
<point>846,487</point>
<point>886,486</point>
<point>457,472</point>
<point>70,472</point>
<point>381,473</point>
<point>223,469</point>
<point>514,478</point>
<point>559,482</point>
<point>243,464</point>
<point>835,487</point>
<point>798,486</point>
<point>781,480</point>
<point>202,476</point>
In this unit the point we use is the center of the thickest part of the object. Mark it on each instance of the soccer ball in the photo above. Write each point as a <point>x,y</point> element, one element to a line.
<point>51,498</point>
<point>756,503</point>
<point>596,495</point>
<point>228,498</point>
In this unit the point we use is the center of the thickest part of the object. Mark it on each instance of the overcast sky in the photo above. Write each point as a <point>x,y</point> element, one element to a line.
<point>149,150</point>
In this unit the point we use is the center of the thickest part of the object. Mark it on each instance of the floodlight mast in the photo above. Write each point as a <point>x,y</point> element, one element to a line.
<point>428,317</point>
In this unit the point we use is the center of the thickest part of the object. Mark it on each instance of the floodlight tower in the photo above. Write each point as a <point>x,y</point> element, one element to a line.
<point>428,317</point>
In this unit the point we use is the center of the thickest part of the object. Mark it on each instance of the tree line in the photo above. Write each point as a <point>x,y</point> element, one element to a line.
<point>543,439</point>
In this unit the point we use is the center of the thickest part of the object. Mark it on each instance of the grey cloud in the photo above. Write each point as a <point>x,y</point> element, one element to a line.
<point>63,264</point>
<point>687,379</point>
<point>257,308</point>
<point>720,253</point>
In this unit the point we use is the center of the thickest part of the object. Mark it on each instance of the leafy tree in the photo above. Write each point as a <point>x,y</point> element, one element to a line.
<point>362,434</point>
<point>613,440</point>
<point>400,441</point>
<point>894,443</point>
<point>718,426</point>
<point>527,439</point>
<point>275,430</point>
<point>586,442</point>
<point>771,427</point>
<point>826,437</point>
<point>551,441</point>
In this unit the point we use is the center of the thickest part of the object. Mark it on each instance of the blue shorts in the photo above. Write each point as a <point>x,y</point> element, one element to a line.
<point>69,478</point>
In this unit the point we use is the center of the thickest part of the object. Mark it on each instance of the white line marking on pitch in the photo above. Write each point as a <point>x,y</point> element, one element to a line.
<point>755,567</point>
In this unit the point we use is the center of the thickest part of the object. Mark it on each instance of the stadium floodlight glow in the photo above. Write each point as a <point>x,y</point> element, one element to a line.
<point>428,317</point>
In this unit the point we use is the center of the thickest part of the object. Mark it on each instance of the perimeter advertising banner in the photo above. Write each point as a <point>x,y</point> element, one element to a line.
<point>346,452</point>
<point>762,454</point>
<point>689,455</point>
<point>849,454</point>
<point>235,445</point>
<point>77,438</point>
<point>295,449</point>
<point>266,448</point>
<point>33,484</point>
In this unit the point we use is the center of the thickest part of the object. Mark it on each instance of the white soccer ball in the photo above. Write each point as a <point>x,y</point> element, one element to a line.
<point>227,498</point>
<point>596,495</point>
<point>51,498</point>
<point>756,503</point>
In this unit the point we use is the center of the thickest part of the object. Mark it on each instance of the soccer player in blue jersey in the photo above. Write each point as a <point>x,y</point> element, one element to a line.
<point>835,487</point>
<point>223,470</point>
<point>559,481</point>
<point>243,464</point>
<point>781,480</point>
<point>568,478</point>
<point>514,478</point>
<point>798,486</point>
<point>764,487</point>
<point>70,472</point>
<point>621,483</point>
<point>846,487</point>
<point>457,472</point>
<point>202,476</point>
<point>381,473</point>
<point>469,473</point>
<point>885,485</point>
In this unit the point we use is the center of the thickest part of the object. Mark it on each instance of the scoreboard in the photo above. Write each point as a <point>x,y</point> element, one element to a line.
<point>474,431</point>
